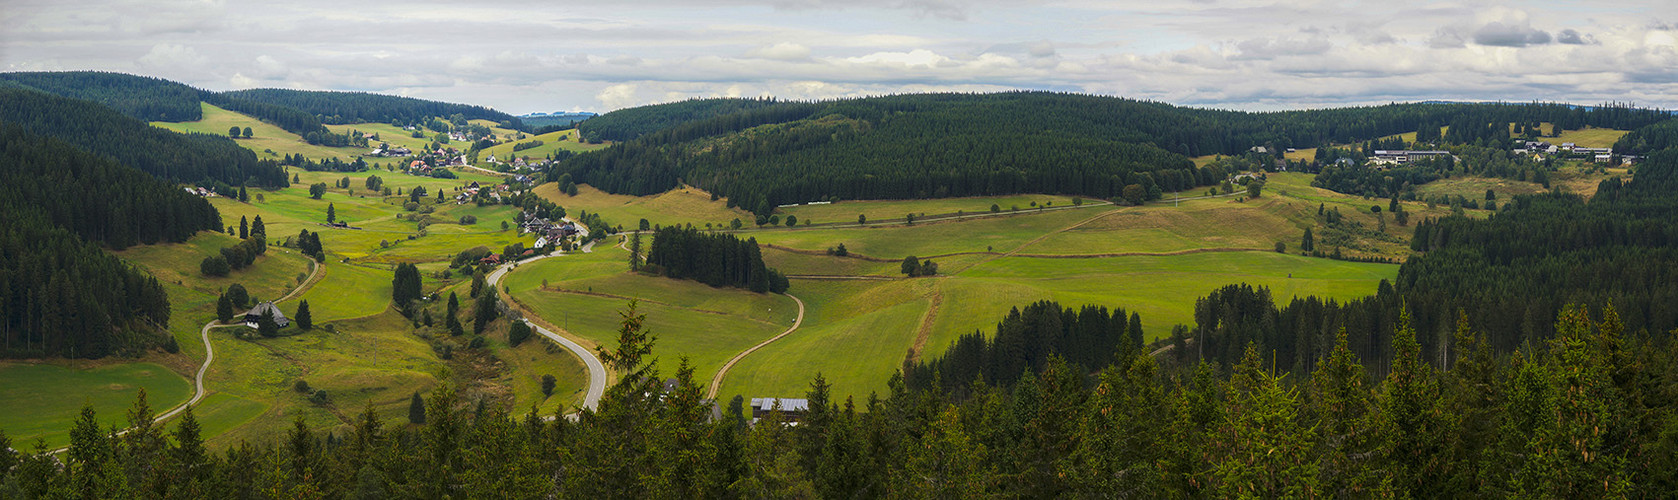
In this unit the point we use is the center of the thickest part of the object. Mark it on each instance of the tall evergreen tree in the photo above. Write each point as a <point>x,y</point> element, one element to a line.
<point>302,317</point>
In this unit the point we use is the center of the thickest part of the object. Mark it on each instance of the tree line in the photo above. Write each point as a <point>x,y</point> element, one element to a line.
<point>716,259</point>
<point>1025,341</point>
<point>141,97</point>
<point>362,107</point>
<point>1588,413</point>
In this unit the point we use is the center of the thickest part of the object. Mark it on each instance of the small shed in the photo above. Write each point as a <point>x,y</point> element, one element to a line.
<point>255,315</point>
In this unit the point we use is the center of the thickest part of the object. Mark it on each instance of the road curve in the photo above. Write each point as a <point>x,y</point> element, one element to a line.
<point>716,381</point>
<point>596,370</point>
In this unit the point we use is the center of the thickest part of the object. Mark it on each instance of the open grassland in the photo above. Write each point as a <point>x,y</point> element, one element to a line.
<point>708,325</point>
<point>1589,137</point>
<point>855,334</point>
<point>370,362</point>
<point>1474,188</point>
<point>387,133</point>
<point>859,331</point>
<point>501,133</point>
<point>551,142</point>
<point>349,291</point>
<point>526,365</point>
<point>264,137</point>
<point>896,241</point>
<point>1582,178</point>
<point>41,401</point>
<point>270,276</point>
<point>880,210</point>
<point>684,205</point>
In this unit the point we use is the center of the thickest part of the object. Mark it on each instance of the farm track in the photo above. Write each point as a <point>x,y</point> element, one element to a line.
<point>716,381</point>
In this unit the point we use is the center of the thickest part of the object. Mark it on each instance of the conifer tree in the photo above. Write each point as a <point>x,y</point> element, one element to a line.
<point>416,409</point>
<point>224,309</point>
<point>244,227</point>
<point>302,317</point>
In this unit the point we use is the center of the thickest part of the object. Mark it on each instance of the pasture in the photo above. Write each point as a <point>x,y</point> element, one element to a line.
<point>684,205</point>
<point>43,400</point>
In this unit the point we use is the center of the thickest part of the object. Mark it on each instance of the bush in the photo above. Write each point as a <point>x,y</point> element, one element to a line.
<point>319,397</point>
<point>467,220</point>
<point>1281,247</point>
<point>477,342</point>
<point>300,386</point>
<point>214,265</point>
<point>518,333</point>
<point>237,295</point>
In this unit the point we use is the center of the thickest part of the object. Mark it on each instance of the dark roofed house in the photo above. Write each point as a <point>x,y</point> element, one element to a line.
<point>255,315</point>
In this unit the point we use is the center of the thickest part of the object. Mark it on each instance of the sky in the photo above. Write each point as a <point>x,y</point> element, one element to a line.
<point>531,56</point>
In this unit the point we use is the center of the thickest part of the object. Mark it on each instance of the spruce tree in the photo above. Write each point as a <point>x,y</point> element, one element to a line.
<point>224,309</point>
<point>331,213</point>
<point>244,227</point>
<point>416,409</point>
<point>303,319</point>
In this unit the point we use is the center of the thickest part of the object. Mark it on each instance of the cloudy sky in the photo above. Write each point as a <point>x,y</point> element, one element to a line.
<point>529,56</point>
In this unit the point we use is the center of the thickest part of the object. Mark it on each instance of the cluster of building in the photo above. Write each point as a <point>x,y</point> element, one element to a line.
<point>397,152</point>
<point>1400,157</point>
<point>1596,155</point>
<point>204,192</point>
<point>548,232</point>
<point>472,190</point>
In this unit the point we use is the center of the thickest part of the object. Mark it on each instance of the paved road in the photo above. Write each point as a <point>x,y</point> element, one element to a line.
<point>716,382</point>
<point>596,370</point>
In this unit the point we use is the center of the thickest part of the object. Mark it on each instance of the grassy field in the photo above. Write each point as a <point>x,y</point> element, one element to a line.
<point>880,210</point>
<point>858,332</point>
<point>678,206</point>
<point>1474,188</point>
<point>43,400</point>
<point>708,325</point>
<point>264,137</point>
<point>552,141</point>
<point>1589,137</point>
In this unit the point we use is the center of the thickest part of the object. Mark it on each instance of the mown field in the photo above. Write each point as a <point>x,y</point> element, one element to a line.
<point>41,401</point>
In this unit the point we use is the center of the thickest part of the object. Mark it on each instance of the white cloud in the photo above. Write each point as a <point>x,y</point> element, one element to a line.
<point>783,51</point>
<point>517,56</point>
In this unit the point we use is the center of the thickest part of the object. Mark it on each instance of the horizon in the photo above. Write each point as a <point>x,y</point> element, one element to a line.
<point>1219,54</point>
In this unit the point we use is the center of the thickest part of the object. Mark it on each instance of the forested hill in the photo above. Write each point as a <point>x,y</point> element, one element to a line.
<point>360,107</point>
<point>764,153</point>
<point>60,294</point>
<point>632,123</point>
<point>298,111</point>
<point>102,130</point>
<point>145,98</point>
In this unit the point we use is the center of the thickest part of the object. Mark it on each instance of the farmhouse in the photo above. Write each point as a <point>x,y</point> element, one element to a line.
<point>789,407</point>
<point>255,315</point>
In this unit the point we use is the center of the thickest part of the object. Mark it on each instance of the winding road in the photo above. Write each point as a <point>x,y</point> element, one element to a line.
<point>596,370</point>
<point>716,382</point>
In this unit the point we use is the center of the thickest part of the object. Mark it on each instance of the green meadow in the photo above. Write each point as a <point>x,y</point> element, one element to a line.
<point>43,400</point>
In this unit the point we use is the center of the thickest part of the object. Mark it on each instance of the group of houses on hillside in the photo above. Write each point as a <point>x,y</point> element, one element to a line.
<point>386,151</point>
<point>548,232</point>
<point>1596,155</point>
<point>1400,157</point>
